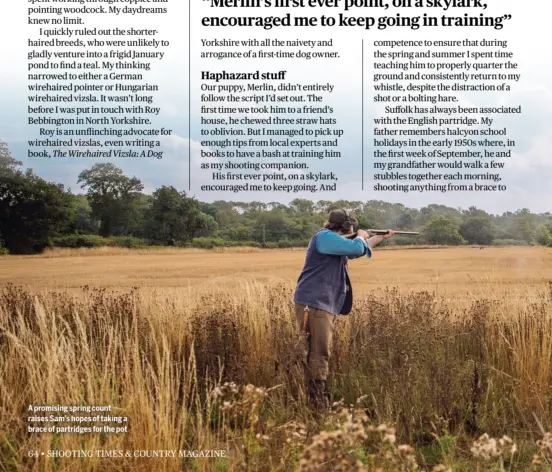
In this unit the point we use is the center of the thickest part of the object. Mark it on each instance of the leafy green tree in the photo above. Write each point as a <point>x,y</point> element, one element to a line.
<point>301,205</point>
<point>174,217</point>
<point>323,206</point>
<point>277,206</point>
<point>113,198</point>
<point>32,210</point>
<point>276,226</point>
<point>225,213</point>
<point>84,222</point>
<point>406,221</point>
<point>240,232</point>
<point>477,230</point>
<point>7,162</point>
<point>522,224</point>
<point>473,211</point>
<point>352,207</point>
<point>209,209</point>
<point>136,220</point>
<point>209,227</point>
<point>255,206</point>
<point>442,230</point>
<point>543,236</point>
<point>452,214</point>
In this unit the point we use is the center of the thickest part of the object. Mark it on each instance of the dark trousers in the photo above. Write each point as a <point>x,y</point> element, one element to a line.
<point>318,348</point>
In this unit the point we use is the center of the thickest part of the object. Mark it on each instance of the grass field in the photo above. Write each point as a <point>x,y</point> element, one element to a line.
<point>443,345</point>
<point>453,271</point>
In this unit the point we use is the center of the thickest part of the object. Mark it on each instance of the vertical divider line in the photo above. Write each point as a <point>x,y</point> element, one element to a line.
<point>189,94</point>
<point>362,111</point>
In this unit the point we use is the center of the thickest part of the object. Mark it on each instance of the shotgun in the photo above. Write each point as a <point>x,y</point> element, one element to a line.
<point>374,232</point>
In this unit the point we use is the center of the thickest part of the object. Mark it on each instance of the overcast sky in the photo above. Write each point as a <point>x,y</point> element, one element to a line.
<point>528,173</point>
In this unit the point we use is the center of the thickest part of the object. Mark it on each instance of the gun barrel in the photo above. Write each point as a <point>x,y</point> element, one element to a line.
<point>383,231</point>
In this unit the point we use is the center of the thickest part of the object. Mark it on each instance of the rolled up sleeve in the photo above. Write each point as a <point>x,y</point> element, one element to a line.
<point>368,249</point>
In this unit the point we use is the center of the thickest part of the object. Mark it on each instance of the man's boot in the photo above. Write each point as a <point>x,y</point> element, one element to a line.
<point>319,396</point>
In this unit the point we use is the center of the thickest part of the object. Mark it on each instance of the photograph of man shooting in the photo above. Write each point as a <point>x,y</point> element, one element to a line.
<point>324,290</point>
<point>275,236</point>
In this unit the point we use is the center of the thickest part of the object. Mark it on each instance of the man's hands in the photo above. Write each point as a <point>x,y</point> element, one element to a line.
<point>368,234</point>
<point>374,240</point>
<point>363,234</point>
<point>390,234</point>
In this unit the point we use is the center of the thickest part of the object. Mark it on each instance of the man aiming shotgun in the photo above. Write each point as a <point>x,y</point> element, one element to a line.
<point>324,291</point>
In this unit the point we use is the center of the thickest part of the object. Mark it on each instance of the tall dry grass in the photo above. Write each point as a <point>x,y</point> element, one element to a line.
<point>177,363</point>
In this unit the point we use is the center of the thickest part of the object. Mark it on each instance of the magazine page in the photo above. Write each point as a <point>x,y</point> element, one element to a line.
<point>275,235</point>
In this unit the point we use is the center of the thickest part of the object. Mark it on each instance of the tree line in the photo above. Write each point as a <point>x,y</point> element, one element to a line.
<point>114,210</point>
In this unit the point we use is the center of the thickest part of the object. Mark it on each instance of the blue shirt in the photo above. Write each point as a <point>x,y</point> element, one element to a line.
<point>331,243</point>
